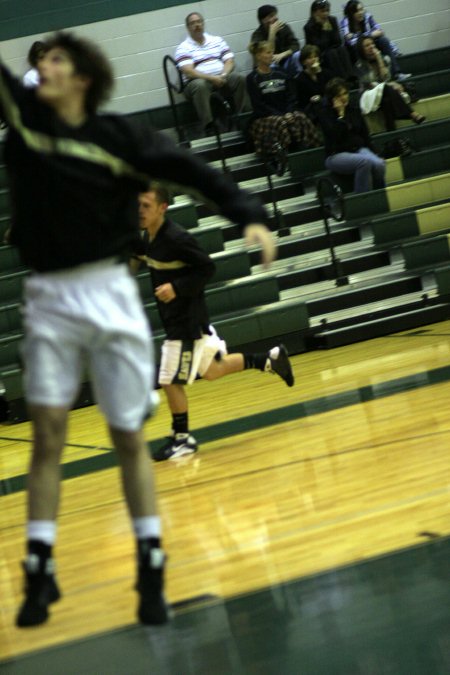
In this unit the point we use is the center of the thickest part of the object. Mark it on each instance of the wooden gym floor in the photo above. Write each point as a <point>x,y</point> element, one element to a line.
<point>309,535</point>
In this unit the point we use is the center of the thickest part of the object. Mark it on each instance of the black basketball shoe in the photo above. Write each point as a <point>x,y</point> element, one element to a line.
<point>278,362</point>
<point>152,608</point>
<point>176,446</point>
<point>41,590</point>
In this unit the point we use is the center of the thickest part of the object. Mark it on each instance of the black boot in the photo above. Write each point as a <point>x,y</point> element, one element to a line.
<point>152,609</point>
<point>41,590</point>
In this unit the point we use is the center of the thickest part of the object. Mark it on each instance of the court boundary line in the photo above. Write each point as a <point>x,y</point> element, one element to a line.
<point>249,423</point>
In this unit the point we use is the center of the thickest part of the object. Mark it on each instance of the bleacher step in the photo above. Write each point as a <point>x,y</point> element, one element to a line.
<point>394,322</point>
<point>328,298</point>
<point>354,313</point>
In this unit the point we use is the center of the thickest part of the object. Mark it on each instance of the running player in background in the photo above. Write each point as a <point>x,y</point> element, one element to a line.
<point>180,270</point>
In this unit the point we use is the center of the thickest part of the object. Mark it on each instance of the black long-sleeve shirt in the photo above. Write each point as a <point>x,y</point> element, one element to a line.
<point>74,189</point>
<point>307,87</point>
<point>175,257</point>
<point>315,34</point>
<point>284,39</point>
<point>271,94</point>
<point>343,135</point>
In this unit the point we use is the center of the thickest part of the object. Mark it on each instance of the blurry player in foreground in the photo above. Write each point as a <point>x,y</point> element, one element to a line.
<point>74,179</point>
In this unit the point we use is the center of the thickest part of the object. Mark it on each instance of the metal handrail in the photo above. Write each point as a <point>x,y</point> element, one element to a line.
<point>332,206</point>
<point>174,87</point>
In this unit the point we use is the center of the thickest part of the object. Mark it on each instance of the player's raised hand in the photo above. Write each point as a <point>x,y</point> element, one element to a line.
<point>257,233</point>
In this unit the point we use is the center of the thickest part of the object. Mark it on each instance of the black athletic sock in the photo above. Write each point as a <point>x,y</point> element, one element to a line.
<point>39,548</point>
<point>180,423</point>
<point>257,361</point>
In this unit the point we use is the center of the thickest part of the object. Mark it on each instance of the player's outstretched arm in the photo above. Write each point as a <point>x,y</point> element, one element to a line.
<point>257,233</point>
<point>161,159</point>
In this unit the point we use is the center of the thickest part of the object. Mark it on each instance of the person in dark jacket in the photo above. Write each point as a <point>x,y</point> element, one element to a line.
<point>180,270</point>
<point>74,177</point>
<point>347,143</point>
<point>280,36</point>
<point>276,123</point>
<point>322,30</point>
<point>311,82</point>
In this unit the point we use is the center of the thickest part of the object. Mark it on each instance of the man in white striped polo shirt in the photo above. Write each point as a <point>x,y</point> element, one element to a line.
<point>207,65</point>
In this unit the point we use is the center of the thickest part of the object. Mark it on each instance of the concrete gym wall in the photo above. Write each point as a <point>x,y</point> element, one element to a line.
<point>136,34</point>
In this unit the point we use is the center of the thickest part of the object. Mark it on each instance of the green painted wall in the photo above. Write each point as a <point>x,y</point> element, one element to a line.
<point>19,18</point>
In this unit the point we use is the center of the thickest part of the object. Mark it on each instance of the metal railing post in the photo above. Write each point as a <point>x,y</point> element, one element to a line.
<point>171,88</point>
<point>332,204</point>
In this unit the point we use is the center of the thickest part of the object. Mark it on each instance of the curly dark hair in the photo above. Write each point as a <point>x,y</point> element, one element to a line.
<point>36,52</point>
<point>88,60</point>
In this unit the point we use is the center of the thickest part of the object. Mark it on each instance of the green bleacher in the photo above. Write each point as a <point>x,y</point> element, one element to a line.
<point>388,243</point>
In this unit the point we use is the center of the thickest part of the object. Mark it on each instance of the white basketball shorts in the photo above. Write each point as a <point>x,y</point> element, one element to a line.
<point>89,320</point>
<point>183,360</point>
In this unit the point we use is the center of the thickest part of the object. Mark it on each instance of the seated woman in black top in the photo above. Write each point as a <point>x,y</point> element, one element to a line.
<point>322,30</point>
<point>347,143</point>
<point>276,124</point>
<point>375,77</point>
<point>311,81</point>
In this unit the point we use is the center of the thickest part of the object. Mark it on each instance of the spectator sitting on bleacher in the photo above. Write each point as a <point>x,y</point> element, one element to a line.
<point>379,90</point>
<point>348,148</point>
<point>322,30</point>
<point>276,123</point>
<point>280,36</point>
<point>180,270</point>
<point>207,65</point>
<point>357,23</point>
<point>310,83</point>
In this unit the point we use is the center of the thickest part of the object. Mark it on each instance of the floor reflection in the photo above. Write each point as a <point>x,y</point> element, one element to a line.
<point>389,615</point>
